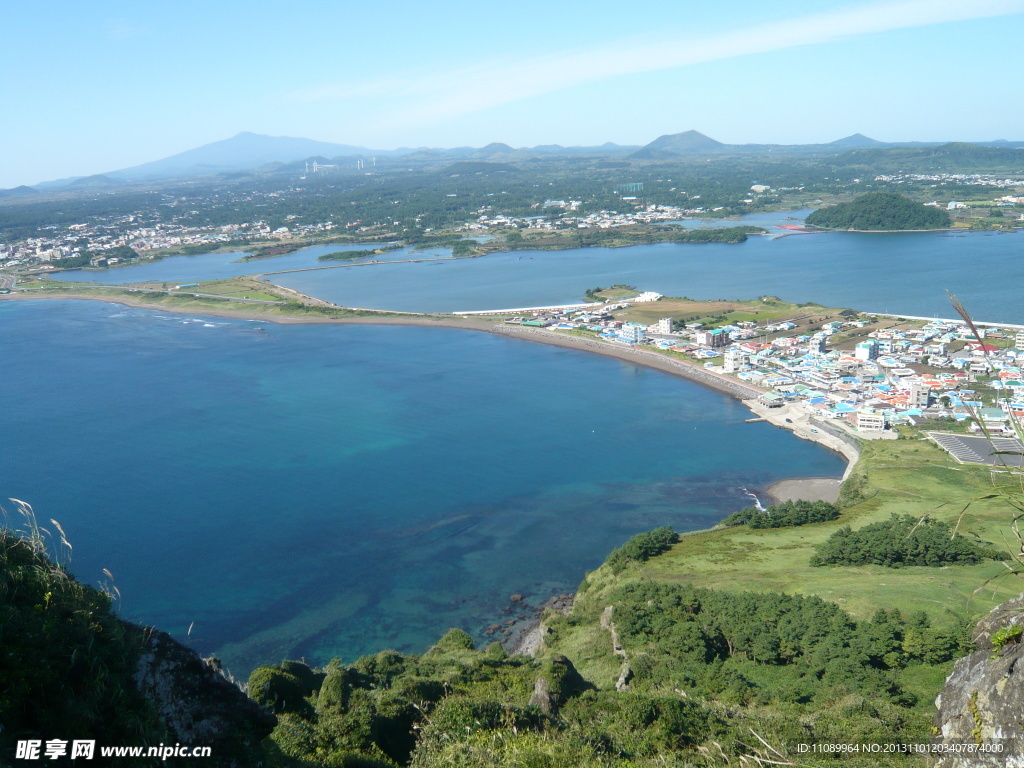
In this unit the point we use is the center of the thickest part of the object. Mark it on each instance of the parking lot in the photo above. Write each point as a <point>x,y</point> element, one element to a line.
<point>981,450</point>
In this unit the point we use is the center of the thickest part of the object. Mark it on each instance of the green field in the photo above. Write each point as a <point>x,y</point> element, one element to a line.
<point>722,312</point>
<point>908,476</point>
<point>224,296</point>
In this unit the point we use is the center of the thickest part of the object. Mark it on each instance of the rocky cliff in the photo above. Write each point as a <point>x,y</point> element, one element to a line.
<point>981,707</point>
<point>196,702</point>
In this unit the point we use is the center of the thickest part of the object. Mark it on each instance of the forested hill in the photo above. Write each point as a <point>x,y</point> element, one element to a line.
<point>955,157</point>
<point>878,211</point>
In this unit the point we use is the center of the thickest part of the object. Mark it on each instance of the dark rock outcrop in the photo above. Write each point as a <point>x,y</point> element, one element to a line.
<point>558,681</point>
<point>981,705</point>
<point>194,700</point>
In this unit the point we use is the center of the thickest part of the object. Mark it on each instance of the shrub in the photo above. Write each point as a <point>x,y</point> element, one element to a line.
<point>642,547</point>
<point>786,514</point>
<point>276,689</point>
<point>454,640</point>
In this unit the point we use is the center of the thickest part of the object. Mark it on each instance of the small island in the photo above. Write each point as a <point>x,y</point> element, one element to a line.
<point>879,212</point>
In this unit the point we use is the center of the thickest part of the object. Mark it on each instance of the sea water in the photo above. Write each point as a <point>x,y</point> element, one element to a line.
<point>265,491</point>
<point>901,273</point>
<point>906,273</point>
<point>221,266</point>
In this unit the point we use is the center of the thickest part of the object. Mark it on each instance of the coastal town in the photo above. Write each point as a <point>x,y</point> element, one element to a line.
<point>201,220</point>
<point>125,239</point>
<point>128,238</point>
<point>861,374</point>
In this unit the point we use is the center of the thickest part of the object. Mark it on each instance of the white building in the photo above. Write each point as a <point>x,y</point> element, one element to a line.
<point>870,421</point>
<point>665,325</point>
<point>632,333</point>
<point>734,360</point>
<point>866,350</point>
<point>645,297</point>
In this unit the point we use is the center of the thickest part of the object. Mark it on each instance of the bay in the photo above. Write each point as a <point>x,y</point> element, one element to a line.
<point>318,491</point>
<point>902,273</point>
<point>905,273</point>
<point>220,266</point>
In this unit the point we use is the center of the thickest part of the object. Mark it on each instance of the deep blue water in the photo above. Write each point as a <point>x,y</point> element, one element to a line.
<point>334,490</point>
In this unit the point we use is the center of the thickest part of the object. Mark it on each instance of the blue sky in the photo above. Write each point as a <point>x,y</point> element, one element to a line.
<point>93,87</point>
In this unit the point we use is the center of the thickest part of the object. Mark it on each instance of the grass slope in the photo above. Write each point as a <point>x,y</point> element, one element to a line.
<point>909,476</point>
<point>912,477</point>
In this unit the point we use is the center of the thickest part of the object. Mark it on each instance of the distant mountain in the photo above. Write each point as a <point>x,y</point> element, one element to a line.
<point>18,191</point>
<point>495,148</point>
<point>696,143</point>
<point>954,157</point>
<point>686,143</point>
<point>249,153</point>
<point>857,141</point>
<point>608,148</point>
<point>98,180</point>
<point>239,153</point>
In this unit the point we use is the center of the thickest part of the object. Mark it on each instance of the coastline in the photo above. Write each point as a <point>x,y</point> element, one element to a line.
<point>526,635</point>
<point>798,421</point>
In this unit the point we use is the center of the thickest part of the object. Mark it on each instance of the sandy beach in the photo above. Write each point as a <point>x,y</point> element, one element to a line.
<point>807,488</point>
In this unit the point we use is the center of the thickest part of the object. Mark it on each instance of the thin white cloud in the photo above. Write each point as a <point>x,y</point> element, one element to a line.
<point>427,97</point>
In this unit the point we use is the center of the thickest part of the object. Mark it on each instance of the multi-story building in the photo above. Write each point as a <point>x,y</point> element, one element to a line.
<point>866,350</point>
<point>713,339</point>
<point>632,333</point>
<point>870,421</point>
<point>734,360</point>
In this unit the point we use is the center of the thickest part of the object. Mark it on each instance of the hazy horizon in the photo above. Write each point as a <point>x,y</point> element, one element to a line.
<point>95,91</point>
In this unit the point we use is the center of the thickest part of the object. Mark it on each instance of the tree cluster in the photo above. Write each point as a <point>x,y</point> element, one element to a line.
<point>716,234</point>
<point>762,647</point>
<point>788,513</point>
<point>879,211</point>
<point>899,541</point>
<point>642,547</point>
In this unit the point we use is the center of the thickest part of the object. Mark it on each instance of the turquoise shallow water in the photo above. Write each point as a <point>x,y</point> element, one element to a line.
<point>334,490</point>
